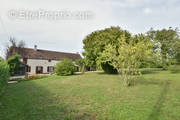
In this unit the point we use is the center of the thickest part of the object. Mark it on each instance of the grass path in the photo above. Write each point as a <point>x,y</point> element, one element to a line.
<point>156,96</point>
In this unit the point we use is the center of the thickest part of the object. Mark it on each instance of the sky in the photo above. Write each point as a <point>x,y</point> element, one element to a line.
<point>66,35</point>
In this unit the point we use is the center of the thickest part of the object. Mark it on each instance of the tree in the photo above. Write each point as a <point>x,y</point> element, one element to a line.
<point>81,64</point>
<point>65,67</point>
<point>14,43</point>
<point>166,40</point>
<point>94,45</point>
<point>13,63</point>
<point>127,57</point>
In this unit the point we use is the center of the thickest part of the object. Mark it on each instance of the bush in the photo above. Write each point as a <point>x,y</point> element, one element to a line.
<point>34,77</point>
<point>4,75</point>
<point>13,63</point>
<point>65,67</point>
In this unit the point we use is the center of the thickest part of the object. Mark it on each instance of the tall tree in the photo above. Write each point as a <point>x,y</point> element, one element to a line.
<point>166,40</point>
<point>94,45</point>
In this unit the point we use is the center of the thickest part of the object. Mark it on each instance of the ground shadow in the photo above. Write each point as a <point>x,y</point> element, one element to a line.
<point>159,103</point>
<point>31,101</point>
<point>143,71</point>
<point>150,70</point>
<point>104,73</point>
<point>142,81</point>
<point>175,71</point>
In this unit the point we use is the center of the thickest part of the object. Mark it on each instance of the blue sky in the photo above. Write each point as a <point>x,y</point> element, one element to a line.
<point>137,16</point>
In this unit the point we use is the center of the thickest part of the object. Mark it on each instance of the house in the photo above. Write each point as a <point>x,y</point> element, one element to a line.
<point>41,61</point>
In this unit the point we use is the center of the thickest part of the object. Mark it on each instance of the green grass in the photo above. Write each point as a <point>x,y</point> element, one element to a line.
<point>155,96</point>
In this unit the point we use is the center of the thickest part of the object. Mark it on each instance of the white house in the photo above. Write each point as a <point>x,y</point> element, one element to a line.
<point>41,61</point>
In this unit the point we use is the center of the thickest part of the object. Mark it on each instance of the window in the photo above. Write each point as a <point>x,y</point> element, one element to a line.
<point>50,69</point>
<point>49,60</point>
<point>39,70</point>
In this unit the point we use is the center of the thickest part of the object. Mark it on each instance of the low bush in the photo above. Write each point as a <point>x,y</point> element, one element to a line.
<point>13,63</point>
<point>65,67</point>
<point>4,75</point>
<point>34,77</point>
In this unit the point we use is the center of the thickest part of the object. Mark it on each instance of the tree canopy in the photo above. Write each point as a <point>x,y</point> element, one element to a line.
<point>167,41</point>
<point>95,43</point>
<point>117,51</point>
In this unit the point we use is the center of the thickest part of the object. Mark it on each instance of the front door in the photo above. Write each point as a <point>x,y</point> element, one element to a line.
<point>39,70</point>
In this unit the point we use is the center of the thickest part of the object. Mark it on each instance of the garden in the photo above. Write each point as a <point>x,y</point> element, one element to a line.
<point>137,78</point>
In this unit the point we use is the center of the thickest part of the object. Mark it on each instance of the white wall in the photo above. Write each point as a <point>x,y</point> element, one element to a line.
<point>44,63</point>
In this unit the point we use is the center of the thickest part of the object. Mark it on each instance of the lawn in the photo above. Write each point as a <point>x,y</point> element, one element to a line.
<point>155,96</point>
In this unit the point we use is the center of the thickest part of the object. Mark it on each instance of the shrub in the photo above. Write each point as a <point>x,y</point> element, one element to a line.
<point>65,67</point>
<point>13,63</point>
<point>4,75</point>
<point>34,77</point>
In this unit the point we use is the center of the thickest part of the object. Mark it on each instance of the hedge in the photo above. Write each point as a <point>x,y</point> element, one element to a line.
<point>4,75</point>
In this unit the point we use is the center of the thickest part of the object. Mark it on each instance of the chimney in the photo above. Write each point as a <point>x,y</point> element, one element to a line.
<point>35,47</point>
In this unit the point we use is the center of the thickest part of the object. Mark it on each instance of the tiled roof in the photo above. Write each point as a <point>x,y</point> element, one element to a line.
<point>44,54</point>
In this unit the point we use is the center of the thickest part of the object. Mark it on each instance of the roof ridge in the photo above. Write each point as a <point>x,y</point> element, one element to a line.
<point>52,51</point>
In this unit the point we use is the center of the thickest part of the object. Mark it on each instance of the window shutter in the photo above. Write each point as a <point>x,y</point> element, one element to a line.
<point>48,69</point>
<point>36,69</point>
<point>29,68</point>
<point>41,69</point>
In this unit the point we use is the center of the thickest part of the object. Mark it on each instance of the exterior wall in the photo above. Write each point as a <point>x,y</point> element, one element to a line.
<point>37,62</point>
